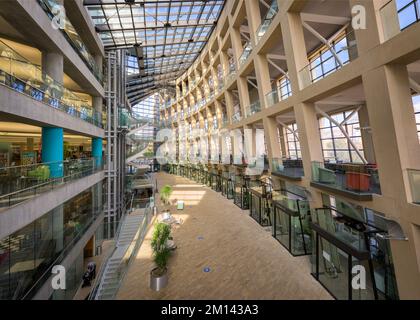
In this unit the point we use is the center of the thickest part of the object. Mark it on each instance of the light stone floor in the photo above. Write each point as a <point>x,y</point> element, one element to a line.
<point>245,261</point>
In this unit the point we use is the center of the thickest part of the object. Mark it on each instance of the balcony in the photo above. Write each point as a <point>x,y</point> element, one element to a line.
<point>252,109</point>
<point>22,183</point>
<point>343,50</point>
<point>19,74</point>
<point>266,22</point>
<point>414,178</point>
<point>291,169</point>
<point>73,38</point>
<point>353,180</point>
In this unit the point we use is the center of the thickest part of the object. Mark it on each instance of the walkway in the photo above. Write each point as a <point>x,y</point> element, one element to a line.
<point>244,261</point>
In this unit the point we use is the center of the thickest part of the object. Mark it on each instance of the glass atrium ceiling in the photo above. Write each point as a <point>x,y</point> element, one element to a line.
<point>166,35</point>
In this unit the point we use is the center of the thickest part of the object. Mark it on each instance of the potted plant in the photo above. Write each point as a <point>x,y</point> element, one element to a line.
<point>165,194</point>
<point>161,253</point>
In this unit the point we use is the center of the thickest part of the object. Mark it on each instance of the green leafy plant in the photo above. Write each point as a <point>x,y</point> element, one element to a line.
<point>160,251</point>
<point>165,194</point>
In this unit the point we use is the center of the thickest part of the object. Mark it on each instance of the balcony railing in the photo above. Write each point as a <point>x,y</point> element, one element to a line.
<point>414,178</point>
<point>236,117</point>
<point>21,183</point>
<point>22,76</point>
<point>245,53</point>
<point>73,38</point>
<point>350,179</point>
<point>281,93</point>
<point>292,168</point>
<point>343,51</point>
<point>266,22</point>
<point>252,109</point>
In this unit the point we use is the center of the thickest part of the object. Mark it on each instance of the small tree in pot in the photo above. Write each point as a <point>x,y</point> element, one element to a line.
<point>165,195</point>
<point>161,253</point>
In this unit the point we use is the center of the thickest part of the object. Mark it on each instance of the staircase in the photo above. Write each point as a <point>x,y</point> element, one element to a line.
<point>129,239</point>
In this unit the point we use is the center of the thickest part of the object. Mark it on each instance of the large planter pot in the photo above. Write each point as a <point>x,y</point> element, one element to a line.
<point>157,283</point>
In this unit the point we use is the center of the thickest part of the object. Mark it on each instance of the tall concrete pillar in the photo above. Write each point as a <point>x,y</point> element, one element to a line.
<point>262,73</point>
<point>295,49</point>
<point>273,147</point>
<point>254,18</point>
<point>52,150</point>
<point>309,138</point>
<point>366,134</point>
<point>52,64</point>
<point>58,228</point>
<point>393,126</point>
<point>243,94</point>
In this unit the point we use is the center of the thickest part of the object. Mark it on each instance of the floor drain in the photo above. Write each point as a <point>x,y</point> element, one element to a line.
<point>206,269</point>
<point>200,237</point>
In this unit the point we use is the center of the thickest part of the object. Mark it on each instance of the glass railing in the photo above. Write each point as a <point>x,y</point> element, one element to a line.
<point>224,121</point>
<point>22,76</point>
<point>291,222</point>
<point>353,178</point>
<point>281,93</point>
<point>21,183</point>
<point>292,168</point>
<point>266,22</point>
<point>245,54</point>
<point>73,38</point>
<point>252,109</point>
<point>343,51</point>
<point>236,117</point>
<point>327,220</point>
<point>414,178</point>
<point>399,15</point>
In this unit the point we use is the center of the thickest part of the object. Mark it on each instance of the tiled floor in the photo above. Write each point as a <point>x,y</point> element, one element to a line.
<point>244,261</point>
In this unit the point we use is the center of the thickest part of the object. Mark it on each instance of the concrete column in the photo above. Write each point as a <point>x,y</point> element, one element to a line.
<point>58,228</point>
<point>262,73</point>
<point>283,141</point>
<point>97,151</point>
<point>249,142</point>
<point>52,64</point>
<point>52,150</point>
<point>243,94</point>
<point>366,133</point>
<point>229,104</point>
<point>253,15</point>
<point>295,49</point>
<point>99,60</point>
<point>224,60</point>
<point>235,36</point>
<point>393,125</point>
<point>309,136</point>
<point>270,131</point>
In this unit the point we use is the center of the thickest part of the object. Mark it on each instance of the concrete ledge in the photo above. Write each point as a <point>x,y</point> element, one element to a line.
<point>345,193</point>
<point>14,218</point>
<point>46,290</point>
<point>16,106</point>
